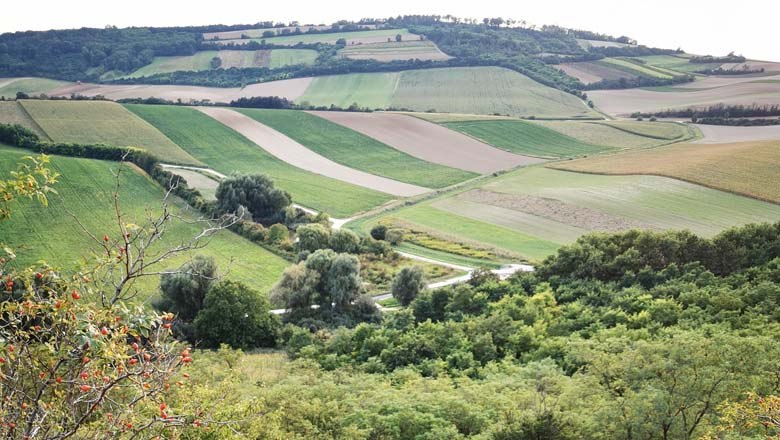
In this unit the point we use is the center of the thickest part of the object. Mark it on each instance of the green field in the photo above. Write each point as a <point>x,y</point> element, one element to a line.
<point>403,50</point>
<point>331,37</point>
<point>356,150</point>
<point>31,86</point>
<point>476,90</point>
<point>372,90</point>
<point>86,188</point>
<point>637,68</point>
<point>597,133</point>
<point>226,151</point>
<point>229,58</point>
<point>525,138</point>
<point>12,112</point>
<point>103,122</point>
<point>676,63</point>
<point>532,211</point>
<point>658,130</point>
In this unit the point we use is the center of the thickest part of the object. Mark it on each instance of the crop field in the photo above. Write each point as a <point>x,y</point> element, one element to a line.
<point>748,168</point>
<point>591,72</point>
<point>357,37</point>
<point>477,90</point>
<point>39,233</point>
<point>658,130</point>
<point>636,68</point>
<point>32,86</point>
<point>12,112</point>
<point>721,134</point>
<point>525,138</point>
<point>229,58</point>
<point>585,44</point>
<point>455,117</point>
<point>597,133</point>
<point>356,150</point>
<point>226,151</point>
<point>532,211</point>
<point>676,63</point>
<point>258,32</point>
<point>95,122</point>
<point>430,142</point>
<point>372,90</point>
<point>708,91</point>
<point>404,50</point>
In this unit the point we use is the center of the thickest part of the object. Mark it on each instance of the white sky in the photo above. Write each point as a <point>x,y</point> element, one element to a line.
<point>748,27</point>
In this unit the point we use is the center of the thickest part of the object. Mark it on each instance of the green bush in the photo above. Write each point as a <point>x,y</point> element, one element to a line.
<point>378,232</point>
<point>408,283</point>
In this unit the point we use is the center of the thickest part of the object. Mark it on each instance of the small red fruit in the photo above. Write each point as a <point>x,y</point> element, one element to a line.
<point>163,406</point>
<point>85,359</point>
<point>167,326</point>
<point>84,375</point>
<point>75,295</point>
<point>135,346</point>
<point>105,238</point>
<point>85,388</point>
<point>58,379</point>
<point>104,331</point>
<point>38,275</point>
<point>133,361</point>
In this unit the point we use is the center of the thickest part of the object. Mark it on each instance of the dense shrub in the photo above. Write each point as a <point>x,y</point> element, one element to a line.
<point>407,284</point>
<point>256,193</point>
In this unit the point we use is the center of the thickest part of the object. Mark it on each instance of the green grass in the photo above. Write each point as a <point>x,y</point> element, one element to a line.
<point>86,189</point>
<point>31,86</point>
<point>330,38</point>
<point>446,257</point>
<point>226,151</point>
<point>196,62</point>
<point>484,90</point>
<point>637,68</point>
<point>230,58</point>
<point>389,51</point>
<point>289,57</point>
<point>389,303</point>
<point>356,150</point>
<point>12,112</point>
<point>657,130</point>
<point>601,134</point>
<point>525,138</point>
<point>470,90</point>
<point>372,90</point>
<point>679,64</point>
<point>96,122</point>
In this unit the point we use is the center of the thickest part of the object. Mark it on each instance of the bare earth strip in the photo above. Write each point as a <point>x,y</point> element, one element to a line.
<point>288,88</point>
<point>721,134</point>
<point>556,210</point>
<point>429,141</point>
<point>622,102</point>
<point>299,156</point>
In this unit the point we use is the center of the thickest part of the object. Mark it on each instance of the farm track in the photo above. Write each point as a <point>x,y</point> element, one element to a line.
<point>430,142</point>
<point>301,157</point>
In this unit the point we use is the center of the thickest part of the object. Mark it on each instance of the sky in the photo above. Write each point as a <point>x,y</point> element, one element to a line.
<point>697,26</point>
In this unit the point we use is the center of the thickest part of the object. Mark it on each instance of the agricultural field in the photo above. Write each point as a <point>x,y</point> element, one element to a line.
<point>86,188</point>
<point>357,37</point>
<point>586,44</point>
<point>605,134</point>
<point>590,72</point>
<point>229,58</point>
<point>355,150</point>
<point>12,112</point>
<point>720,134</point>
<point>477,90</point>
<point>706,92</point>
<point>676,63</point>
<point>667,131</point>
<point>430,142</point>
<point>258,32</point>
<point>372,90</point>
<point>525,138</point>
<point>748,168</point>
<point>404,50</point>
<point>102,122</point>
<point>226,151</point>
<point>532,211</point>
<point>636,68</point>
<point>9,87</point>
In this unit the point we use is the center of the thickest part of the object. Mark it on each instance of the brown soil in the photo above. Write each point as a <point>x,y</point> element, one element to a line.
<point>556,210</point>
<point>299,156</point>
<point>719,134</point>
<point>429,142</point>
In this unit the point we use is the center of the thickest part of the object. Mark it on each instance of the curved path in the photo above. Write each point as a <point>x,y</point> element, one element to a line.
<point>297,155</point>
<point>428,141</point>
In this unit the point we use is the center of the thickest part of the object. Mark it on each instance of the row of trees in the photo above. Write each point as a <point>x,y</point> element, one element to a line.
<point>718,111</point>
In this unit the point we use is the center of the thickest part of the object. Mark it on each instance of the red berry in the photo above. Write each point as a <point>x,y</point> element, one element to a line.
<point>84,375</point>
<point>105,238</point>
<point>58,379</point>
<point>103,331</point>
<point>85,388</point>
<point>75,295</point>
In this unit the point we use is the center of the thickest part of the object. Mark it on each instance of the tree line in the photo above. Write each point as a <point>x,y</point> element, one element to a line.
<point>717,111</point>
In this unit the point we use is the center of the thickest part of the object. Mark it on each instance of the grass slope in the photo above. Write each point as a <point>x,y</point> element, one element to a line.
<point>404,50</point>
<point>196,62</point>
<point>749,168</point>
<point>289,57</point>
<point>525,138</point>
<point>637,68</point>
<point>658,130</point>
<point>372,90</point>
<point>95,122</point>
<point>226,151</point>
<point>484,90</point>
<point>11,112</point>
<point>86,189</point>
<point>31,86</point>
<point>230,58</point>
<point>602,134</point>
<point>356,150</point>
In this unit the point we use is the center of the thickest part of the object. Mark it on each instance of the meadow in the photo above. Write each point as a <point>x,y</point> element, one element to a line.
<point>666,131</point>
<point>12,112</point>
<point>525,138</point>
<point>609,134</point>
<point>636,68</point>
<point>477,90</point>
<point>32,86</point>
<point>390,51</point>
<point>86,188</point>
<point>676,63</point>
<point>226,151</point>
<point>748,168</point>
<point>357,37</point>
<point>103,122</point>
<point>355,150</point>
<point>229,58</point>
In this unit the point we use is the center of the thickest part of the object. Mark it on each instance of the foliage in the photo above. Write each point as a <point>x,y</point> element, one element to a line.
<point>378,232</point>
<point>344,241</point>
<point>313,237</point>
<point>31,180</point>
<point>716,111</point>
<point>235,315</point>
<point>408,283</point>
<point>256,193</point>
